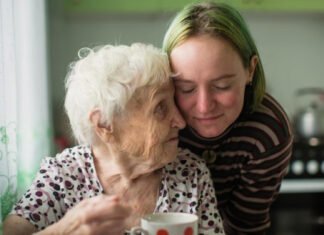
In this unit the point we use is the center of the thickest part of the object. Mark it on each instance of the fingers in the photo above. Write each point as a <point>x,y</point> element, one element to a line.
<point>98,215</point>
<point>103,208</point>
<point>107,216</point>
<point>111,227</point>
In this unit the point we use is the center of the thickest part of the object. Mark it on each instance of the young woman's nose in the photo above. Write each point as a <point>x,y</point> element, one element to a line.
<point>177,120</point>
<point>204,102</point>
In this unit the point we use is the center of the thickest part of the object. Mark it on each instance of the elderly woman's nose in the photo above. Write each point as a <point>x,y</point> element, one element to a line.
<point>177,120</point>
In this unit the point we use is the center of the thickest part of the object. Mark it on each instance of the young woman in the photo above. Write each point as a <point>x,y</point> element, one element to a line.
<point>240,130</point>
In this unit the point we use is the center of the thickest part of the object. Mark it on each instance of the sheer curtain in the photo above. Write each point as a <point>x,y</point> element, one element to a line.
<point>25,125</point>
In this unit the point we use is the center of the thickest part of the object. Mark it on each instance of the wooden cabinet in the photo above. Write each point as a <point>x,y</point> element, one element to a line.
<point>156,6</point>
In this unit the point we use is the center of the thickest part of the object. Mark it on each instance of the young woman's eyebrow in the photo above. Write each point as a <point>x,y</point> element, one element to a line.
<point>178,78</point>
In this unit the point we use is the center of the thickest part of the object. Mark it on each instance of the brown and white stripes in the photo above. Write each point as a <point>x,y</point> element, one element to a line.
<point>247,164</point>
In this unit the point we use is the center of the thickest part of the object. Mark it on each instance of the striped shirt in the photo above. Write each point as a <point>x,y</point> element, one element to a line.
<point>247,163</point>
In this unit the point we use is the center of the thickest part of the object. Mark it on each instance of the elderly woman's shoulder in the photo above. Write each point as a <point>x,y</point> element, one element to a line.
<point>77,155</point>
<point>184,153</point>
<point>186,159</point>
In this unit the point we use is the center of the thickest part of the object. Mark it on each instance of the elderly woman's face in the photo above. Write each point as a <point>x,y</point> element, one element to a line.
<point>151,124</point>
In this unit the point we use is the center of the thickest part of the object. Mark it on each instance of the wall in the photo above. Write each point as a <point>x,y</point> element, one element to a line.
<point>291,47</point>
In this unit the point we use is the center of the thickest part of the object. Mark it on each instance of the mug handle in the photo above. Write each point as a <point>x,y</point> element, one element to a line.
<point>137,231</point>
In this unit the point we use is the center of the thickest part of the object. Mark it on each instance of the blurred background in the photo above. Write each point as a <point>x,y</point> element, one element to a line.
<point>39,39</point>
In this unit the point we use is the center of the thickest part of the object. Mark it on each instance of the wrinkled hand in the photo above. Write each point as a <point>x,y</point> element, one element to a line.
<point>99,215</point>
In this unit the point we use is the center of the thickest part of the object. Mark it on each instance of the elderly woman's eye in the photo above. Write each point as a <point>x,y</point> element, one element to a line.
<point>160,109</point>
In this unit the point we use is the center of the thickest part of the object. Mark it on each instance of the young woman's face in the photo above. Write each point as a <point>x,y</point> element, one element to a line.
<point>151,125</point>
<point>210,82</point>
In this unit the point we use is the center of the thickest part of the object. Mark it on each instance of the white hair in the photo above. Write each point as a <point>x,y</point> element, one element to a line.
<point>105,78</point>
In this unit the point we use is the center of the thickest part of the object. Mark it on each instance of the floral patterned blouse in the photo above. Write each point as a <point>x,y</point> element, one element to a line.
<point>65,180</point>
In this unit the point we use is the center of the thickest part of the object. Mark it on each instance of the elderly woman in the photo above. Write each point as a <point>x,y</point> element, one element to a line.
<point>121,108</point>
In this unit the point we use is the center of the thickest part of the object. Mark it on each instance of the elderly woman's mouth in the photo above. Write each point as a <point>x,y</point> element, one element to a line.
<point>173,139</point>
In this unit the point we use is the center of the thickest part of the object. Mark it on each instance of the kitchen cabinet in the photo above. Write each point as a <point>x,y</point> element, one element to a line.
<point>158,6</point>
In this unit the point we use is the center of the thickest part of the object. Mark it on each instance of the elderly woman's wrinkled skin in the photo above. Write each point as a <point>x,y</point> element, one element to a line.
<point>155,122</point>
<point>148,135</point>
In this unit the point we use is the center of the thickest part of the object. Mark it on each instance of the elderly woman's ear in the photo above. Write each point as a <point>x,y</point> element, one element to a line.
<point>104,132</point>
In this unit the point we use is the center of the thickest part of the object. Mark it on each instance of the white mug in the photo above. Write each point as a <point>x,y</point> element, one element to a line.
<point>170,223</point>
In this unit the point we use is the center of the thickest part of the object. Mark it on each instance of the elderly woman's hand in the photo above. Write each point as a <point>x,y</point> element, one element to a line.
<point>97,215</point>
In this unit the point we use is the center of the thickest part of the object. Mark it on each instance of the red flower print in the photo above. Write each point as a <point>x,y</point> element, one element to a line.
<point>162,232</point>
<point>188,231</point>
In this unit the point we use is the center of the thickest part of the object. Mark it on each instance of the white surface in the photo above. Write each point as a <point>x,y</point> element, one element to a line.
<point>302,185</point>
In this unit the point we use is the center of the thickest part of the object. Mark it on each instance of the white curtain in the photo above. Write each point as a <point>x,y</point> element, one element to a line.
<point>25,125</point>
